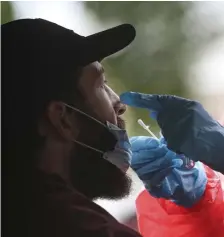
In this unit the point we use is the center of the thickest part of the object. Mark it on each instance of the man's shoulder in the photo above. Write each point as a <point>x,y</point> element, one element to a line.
<point>69,210</point>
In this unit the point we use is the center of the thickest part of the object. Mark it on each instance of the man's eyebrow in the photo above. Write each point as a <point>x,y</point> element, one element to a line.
<point>101,70</point>
<point>98,70</point>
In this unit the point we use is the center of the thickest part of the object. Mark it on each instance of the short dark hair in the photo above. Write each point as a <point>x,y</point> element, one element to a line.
<point>21,112</point>
<point>20,138</point>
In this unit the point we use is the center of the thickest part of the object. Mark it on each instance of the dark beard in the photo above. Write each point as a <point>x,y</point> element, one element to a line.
<point>95,177</point>
<point>91,174</point>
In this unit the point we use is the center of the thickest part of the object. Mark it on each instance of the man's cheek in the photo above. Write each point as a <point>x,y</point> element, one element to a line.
<point>104,106</point>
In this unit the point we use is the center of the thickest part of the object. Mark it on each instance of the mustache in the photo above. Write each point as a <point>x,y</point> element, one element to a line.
<point>121,123</point>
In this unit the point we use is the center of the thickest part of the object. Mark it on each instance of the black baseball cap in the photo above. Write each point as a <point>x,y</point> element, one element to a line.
<point>37,55</point>
<point>53,47</point>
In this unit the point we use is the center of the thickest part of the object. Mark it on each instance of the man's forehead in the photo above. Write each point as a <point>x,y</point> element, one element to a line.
<point>91,74</point>
<point>94,67</point>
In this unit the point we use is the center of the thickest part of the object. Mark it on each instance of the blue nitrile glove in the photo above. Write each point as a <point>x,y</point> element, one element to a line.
<point>186,126</point>
<point>166,174</point>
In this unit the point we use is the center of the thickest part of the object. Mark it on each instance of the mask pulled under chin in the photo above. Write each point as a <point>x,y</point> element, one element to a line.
<point>121,155</point>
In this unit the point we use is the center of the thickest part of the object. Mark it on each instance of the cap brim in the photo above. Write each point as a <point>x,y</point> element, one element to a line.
<point>105,43</point>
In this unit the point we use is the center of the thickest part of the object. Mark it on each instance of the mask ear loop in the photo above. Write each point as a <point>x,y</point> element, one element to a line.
<point>81,112</point>
<point>80,143</point>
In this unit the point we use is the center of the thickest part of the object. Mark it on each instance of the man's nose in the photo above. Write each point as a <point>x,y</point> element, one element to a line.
<point>120,108</point>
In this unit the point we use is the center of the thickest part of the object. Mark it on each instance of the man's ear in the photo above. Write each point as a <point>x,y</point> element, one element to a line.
<point>63,122</point>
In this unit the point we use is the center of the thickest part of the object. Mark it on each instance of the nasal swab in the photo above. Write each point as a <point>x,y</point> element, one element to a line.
<point>141,123</point>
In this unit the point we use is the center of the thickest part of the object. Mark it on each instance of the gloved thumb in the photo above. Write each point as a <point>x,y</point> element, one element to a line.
<point>145,101</point>
<point>153,102</point>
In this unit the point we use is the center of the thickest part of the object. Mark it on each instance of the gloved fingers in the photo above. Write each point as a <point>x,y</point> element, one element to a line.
<point>158,178</point>
<point>145,167</point>
<point>140,100</point>
<point>143,142</point>
<point>183,187</point>
<point>163,140</point>
<point>157,156</point>
<point>155,177</point>
<point>158,165</point>
<point>174,158</point>
<point>147,156</point>
<point>177,163</point>
<point>150,166</point>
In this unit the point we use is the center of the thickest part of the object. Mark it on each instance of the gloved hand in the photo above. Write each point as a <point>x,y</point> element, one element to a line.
<point>166,174</point>
<point>152,160</point>
<point>186,126</point>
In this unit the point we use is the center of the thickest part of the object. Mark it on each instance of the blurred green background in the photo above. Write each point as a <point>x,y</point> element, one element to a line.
<point>179,49</point>
<point>158,59</point>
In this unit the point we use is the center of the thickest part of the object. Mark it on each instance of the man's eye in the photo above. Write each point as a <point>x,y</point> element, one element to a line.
<point>104,84</point>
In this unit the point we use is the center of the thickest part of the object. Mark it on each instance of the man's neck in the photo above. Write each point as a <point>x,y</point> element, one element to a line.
<point>54,159</point>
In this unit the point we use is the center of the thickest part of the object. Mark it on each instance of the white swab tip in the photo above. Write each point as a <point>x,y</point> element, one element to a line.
<point>140,122</point>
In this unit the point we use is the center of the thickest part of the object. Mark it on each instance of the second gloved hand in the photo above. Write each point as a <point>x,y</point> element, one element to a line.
<point>166,174</point>
<point>152,160</point>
